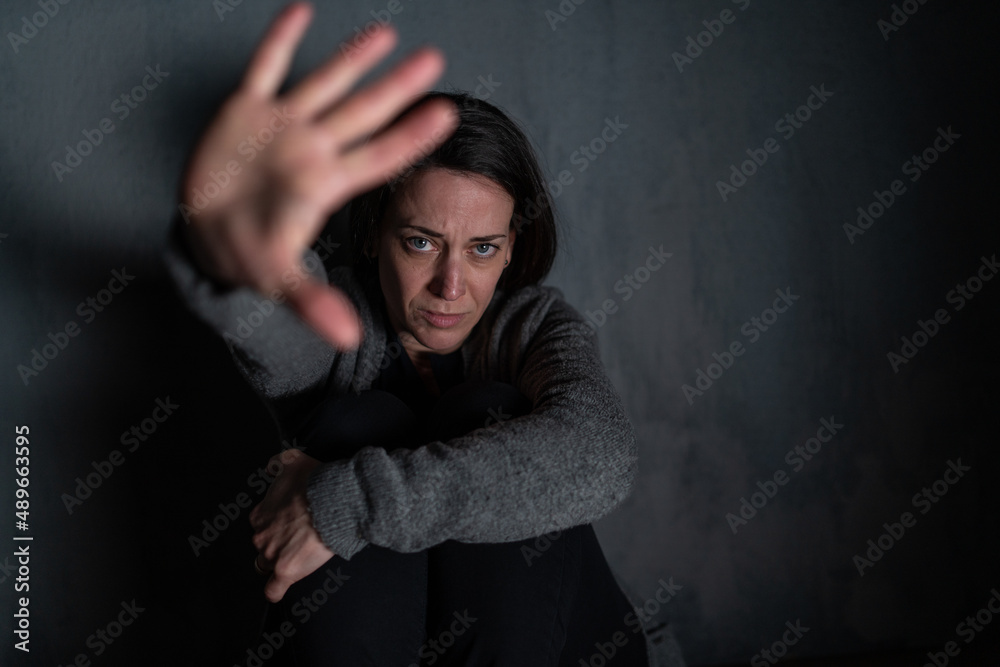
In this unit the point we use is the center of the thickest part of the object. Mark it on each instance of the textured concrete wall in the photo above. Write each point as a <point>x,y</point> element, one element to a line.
<point>819,105</point>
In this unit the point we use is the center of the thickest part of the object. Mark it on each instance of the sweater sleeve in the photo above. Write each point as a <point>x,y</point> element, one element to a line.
<point>571,460</point>
<point>281,357</point>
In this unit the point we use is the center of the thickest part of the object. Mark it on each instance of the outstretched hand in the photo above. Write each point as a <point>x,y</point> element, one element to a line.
<point>270,169</point>
<point>286,540</point>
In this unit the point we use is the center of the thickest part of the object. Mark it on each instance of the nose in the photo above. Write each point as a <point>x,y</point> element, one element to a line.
<point>449,278</point>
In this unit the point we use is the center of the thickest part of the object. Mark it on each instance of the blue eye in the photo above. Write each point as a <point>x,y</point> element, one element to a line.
<point>423,245</point>
<point>488,250</point>
<point>418,242</point>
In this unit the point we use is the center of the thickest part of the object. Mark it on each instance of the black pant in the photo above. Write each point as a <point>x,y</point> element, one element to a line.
<point>547,601</point>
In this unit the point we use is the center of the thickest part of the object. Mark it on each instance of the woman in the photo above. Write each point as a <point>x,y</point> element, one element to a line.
<point>450,411</point>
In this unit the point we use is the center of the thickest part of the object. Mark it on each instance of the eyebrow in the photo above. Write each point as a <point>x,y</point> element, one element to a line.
<point>438,235</point>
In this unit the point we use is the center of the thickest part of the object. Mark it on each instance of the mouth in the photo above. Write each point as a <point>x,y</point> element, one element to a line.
<point>442,320</point>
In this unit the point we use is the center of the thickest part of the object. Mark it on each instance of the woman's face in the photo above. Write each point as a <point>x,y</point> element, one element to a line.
<point>441,248</point>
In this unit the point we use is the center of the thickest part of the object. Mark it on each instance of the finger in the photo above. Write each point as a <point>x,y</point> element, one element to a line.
<point>379,103</point>
<point>270,62</point>
<point>407,141</point>
<point>331,81</point>
<point>287,456</point>
<point>274,465</point>
<point>276,587</point>
<point>328,311</point>
<point>261,565</point>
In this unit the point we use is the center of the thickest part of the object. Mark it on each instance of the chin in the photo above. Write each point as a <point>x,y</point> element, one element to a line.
<point>436,339</point>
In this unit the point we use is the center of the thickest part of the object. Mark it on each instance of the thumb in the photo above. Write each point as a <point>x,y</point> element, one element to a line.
<point>275,589</point>
<point>328,311</point>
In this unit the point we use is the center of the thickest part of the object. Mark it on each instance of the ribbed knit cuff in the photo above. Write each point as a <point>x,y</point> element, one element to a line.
<point>337,504</point>
<point>181,261</point>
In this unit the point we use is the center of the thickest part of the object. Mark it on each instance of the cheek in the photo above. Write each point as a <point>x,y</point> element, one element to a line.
<point>483,289</point>
<point>404,279</point>
<point>412,280</point>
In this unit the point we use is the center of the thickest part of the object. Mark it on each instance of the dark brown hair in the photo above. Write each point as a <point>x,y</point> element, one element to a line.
<point>487,143</point>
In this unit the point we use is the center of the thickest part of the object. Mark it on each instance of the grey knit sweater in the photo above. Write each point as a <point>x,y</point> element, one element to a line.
<point>569,462</point>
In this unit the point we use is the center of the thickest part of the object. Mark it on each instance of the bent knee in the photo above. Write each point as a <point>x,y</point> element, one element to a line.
<point>340,426</point>
<point>475,404</point>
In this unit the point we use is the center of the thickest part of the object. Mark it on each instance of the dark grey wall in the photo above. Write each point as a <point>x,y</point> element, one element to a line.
<point>655,186</point>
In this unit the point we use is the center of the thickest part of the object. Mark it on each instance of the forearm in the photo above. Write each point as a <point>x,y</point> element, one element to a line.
<point>274,350</point>
<point>570,461</point>
<point>462,490</point>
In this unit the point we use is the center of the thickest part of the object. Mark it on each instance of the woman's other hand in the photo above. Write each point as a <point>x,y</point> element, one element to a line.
<point>270,169</point>
<point>287,543</point>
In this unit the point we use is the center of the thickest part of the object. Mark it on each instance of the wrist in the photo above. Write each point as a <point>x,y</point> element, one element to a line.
<point>336,505</point>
